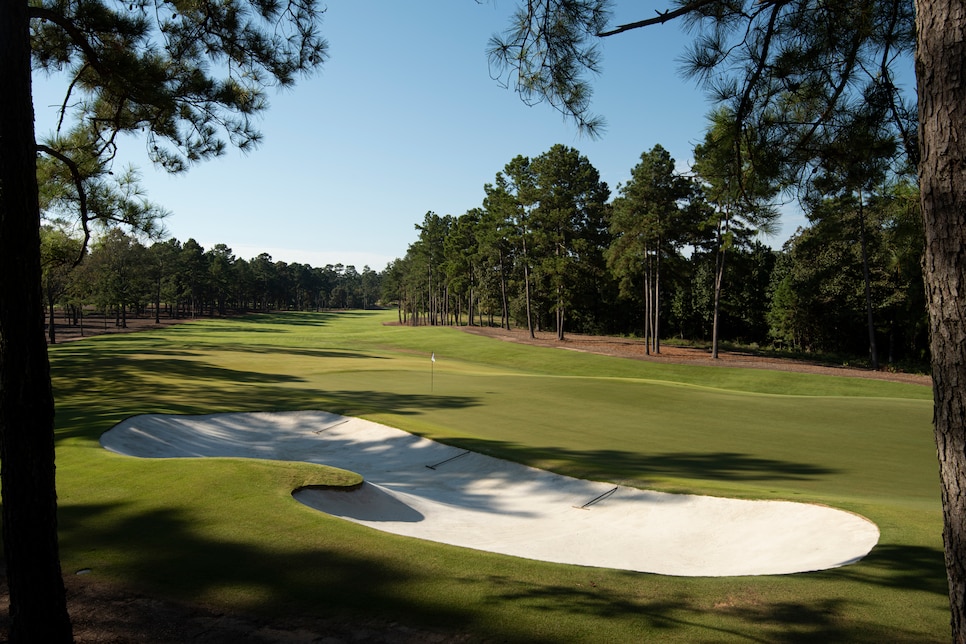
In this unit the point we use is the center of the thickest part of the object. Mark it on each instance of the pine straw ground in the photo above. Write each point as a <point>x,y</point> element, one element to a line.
<point>634,348</point>
<point>106,614</point>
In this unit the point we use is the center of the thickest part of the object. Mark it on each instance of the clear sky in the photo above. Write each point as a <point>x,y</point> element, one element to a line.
<point>404,118</point>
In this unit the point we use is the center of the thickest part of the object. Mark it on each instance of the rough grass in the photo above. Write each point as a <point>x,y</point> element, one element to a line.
<point>227,532</point>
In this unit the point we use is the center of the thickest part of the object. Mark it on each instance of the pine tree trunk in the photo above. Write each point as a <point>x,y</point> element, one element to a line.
<point>157,302</point>
<point>469,304</point>
<point>560,320</point>
<point>717,304</point>
<point>38,605</point>
<point>657,298</point>
<point>647,314</point>
<point>870,320</point>
<point>718,282</point>
<point>526,288</point>
<point>560,314</point>
<point>51,324</point>
<point>647,302</point>
<point>942,174</point>
<point>504,301</point>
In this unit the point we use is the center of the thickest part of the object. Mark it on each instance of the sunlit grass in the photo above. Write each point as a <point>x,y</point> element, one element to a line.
<point>227,531</point>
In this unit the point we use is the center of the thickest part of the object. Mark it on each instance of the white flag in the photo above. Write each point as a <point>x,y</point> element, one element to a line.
<point>433,357</point>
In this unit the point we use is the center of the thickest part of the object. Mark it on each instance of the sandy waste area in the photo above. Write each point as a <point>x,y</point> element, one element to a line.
<point>419,488</point>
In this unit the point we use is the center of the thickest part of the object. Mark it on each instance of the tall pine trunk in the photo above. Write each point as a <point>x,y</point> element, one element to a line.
<point>51,324</point>
<point>648,292</point>
<point>526,288</point>
<point>157,299</point>
<point>657,297</point>
<point>719,266</point>
<point>870,320</point>
<point>716,314</point>
<point>560,302</point>
<point>504,301</point>
<point>38,605</point>
<point>940,52</point>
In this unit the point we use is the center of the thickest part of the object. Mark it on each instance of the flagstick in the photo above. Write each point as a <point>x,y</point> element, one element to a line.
<point>432,372</point>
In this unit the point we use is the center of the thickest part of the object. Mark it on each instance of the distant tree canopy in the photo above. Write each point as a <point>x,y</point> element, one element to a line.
<point>121,276</point>
<point>501,264</point>
<point>531,247</point>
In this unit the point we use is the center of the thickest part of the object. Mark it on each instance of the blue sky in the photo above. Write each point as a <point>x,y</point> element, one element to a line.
<point>404,118</point>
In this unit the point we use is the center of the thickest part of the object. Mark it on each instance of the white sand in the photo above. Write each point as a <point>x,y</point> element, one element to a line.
<point>480,502</point>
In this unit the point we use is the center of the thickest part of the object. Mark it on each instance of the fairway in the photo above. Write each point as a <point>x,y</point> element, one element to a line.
<point>179,527</point>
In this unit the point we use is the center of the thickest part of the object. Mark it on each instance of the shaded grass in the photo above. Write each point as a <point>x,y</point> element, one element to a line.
<point>226,531</point>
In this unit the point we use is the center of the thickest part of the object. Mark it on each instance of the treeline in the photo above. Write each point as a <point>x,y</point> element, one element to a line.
<point>672,255</point>
<point>119,276</point>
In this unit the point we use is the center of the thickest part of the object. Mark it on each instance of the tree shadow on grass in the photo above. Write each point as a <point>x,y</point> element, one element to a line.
<point>901,566</point>
<point>293,351</point>
<point>728,466</point>
<point>617,465</point>
<point>163,553</point>
<point>303,318</point>
<point>128,387</point>
<point>95,404</point>
<point>183,333</point>
<point>112,348</point>
<point>713,613</point>
<point>199,371</point>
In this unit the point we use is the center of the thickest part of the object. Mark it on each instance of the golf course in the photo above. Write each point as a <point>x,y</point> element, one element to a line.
<point>226,532</point>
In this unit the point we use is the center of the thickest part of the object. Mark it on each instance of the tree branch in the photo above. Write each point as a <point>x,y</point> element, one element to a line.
<point>660,19</point>
<point>82,194</point>
<point>76,35</point>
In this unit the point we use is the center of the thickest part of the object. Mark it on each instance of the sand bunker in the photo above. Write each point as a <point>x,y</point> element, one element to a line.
<point>419,488</point>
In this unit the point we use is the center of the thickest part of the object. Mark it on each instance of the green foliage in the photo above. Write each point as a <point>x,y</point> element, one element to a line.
<point>545,52</point>
<point>75,185</point>
<point>803,78</point>
<point>186,75</point>
<point>119,274</point>
<point>538,239</point>
<point>745,305</point>
<point>645,218</point>
<point>649,224</point>
<point>537,248</point>
<point>818,302</point>
<point>116,271</point>
<point>59,255</point>
<point>735,180</point>
<point>151,67</point>
<point>569,229</point>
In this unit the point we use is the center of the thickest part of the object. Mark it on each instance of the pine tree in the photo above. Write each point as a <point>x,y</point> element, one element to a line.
<point>143,67</point>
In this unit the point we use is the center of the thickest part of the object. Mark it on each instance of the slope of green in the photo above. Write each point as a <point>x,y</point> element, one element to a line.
<point>226,531</point>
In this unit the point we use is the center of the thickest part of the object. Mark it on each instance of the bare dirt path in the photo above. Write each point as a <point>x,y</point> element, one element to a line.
<point>99,325</point>
<point>634,349</point>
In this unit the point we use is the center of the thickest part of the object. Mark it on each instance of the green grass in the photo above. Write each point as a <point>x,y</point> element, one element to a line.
<point>227,532</point>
